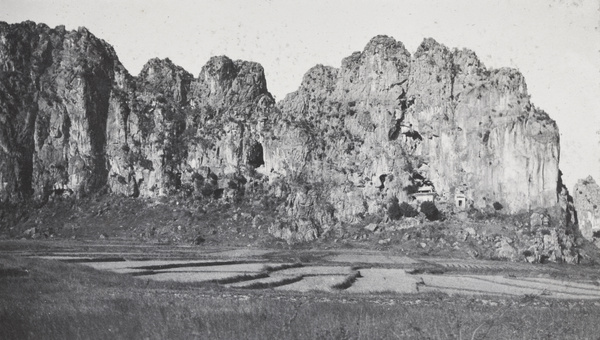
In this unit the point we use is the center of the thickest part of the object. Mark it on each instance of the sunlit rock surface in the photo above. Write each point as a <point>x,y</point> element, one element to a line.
<point>586,198</point>
<point>337,150</point>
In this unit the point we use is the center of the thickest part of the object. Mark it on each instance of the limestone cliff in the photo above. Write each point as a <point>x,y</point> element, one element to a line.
<point>334,152</point>
<point>55,93</point>
<point>386,121</point>
<point>74,120</point>
<point>180,134</point>
<point>586,198</point>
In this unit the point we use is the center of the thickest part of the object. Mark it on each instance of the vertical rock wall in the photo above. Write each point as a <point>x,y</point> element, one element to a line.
<point>586,198</point>
<point>55,93</point>
<point>438,115</point>
<point>339,148</point>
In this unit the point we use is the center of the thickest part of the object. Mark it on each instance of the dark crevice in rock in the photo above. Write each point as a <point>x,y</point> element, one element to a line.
<point>255,155</point>
<point>382,180</point>
<point>395,130</point>
<point>414,135</point>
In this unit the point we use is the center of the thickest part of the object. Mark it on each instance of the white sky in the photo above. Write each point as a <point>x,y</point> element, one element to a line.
<point>554,43</point>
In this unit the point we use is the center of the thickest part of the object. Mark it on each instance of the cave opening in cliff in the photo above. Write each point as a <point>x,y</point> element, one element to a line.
<point>254,156</point>
<point>382,181</point>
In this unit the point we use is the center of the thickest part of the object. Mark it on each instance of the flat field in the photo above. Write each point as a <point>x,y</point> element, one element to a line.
<point>80,290</point>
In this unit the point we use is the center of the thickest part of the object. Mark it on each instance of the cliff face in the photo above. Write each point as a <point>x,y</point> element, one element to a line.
<point>74,120</point>
<point>586,198</point>
<point>174,133</point>
<point>338,149</point>
<point>386,122</point>
<point>55,93</point>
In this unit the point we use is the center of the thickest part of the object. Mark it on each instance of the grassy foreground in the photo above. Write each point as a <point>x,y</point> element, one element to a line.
<point>42,299</point>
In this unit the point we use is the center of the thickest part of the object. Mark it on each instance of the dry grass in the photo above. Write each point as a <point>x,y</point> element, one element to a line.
<point>282,266</point>
<point>241,278</point>
<point>53,300</point>
<point>274,282</point>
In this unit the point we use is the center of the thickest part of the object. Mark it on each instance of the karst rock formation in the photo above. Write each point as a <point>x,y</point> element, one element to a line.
<point>586,198</point>
<point>349,140</point>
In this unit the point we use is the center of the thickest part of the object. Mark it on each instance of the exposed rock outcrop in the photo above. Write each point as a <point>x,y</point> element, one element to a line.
<point>386,118</point>
<point>336,151</point>
<point>54,99</point>
<point>586,198</point>
<point>180,134</point>
<point>74,119</point>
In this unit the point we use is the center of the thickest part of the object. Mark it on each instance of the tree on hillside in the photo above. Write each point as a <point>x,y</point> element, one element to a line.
<point>430,210</point>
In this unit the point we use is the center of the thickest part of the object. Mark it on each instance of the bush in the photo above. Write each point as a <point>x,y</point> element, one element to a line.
<point>498,206</point>
<point>394,211</point>
<point>430,210</point>
<point>407,210</point>
<point>397,210</point>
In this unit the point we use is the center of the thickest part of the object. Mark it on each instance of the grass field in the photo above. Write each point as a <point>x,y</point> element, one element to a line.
<point>44,299</point>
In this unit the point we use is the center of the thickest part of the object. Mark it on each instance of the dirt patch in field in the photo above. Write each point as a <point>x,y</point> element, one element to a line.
<point>372,259</point>
<point>495,284</point>
<point>377,280</point>
<point>317,270</point>
<point>268,282</point>
<point>192,276</point>
<point>240,268</point>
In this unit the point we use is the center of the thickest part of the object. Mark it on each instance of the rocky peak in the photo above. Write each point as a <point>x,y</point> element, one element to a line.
<point>226,82</point>
<point>163,77</point>
<point>378,73</point>
<point>430,47</point>
<point>219,69</point>
<point>467,60</point>
<point>385,46</point>
<point>319,76</point>
<point>510,80</point>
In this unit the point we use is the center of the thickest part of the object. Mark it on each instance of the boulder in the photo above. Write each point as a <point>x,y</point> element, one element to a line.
<point>294,232</point>
<point>506,251</point>
<point>372,227</point>
<point>536,219</point>
<point>30,232</point>
<point>471,231</point>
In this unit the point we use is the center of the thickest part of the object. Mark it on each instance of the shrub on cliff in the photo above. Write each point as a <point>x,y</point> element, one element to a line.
<point>430,210</point>
<point>396,210</point>
<point>407,210</point>
<point>393,209</point>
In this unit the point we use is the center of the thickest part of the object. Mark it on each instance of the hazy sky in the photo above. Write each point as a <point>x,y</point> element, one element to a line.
<point>554,43</point>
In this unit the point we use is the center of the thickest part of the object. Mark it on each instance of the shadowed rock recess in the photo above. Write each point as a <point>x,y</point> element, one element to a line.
<point>343,146</point>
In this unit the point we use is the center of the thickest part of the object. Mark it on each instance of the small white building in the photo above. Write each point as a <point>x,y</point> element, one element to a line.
<point>460,200</point>
<point>425,193</point>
